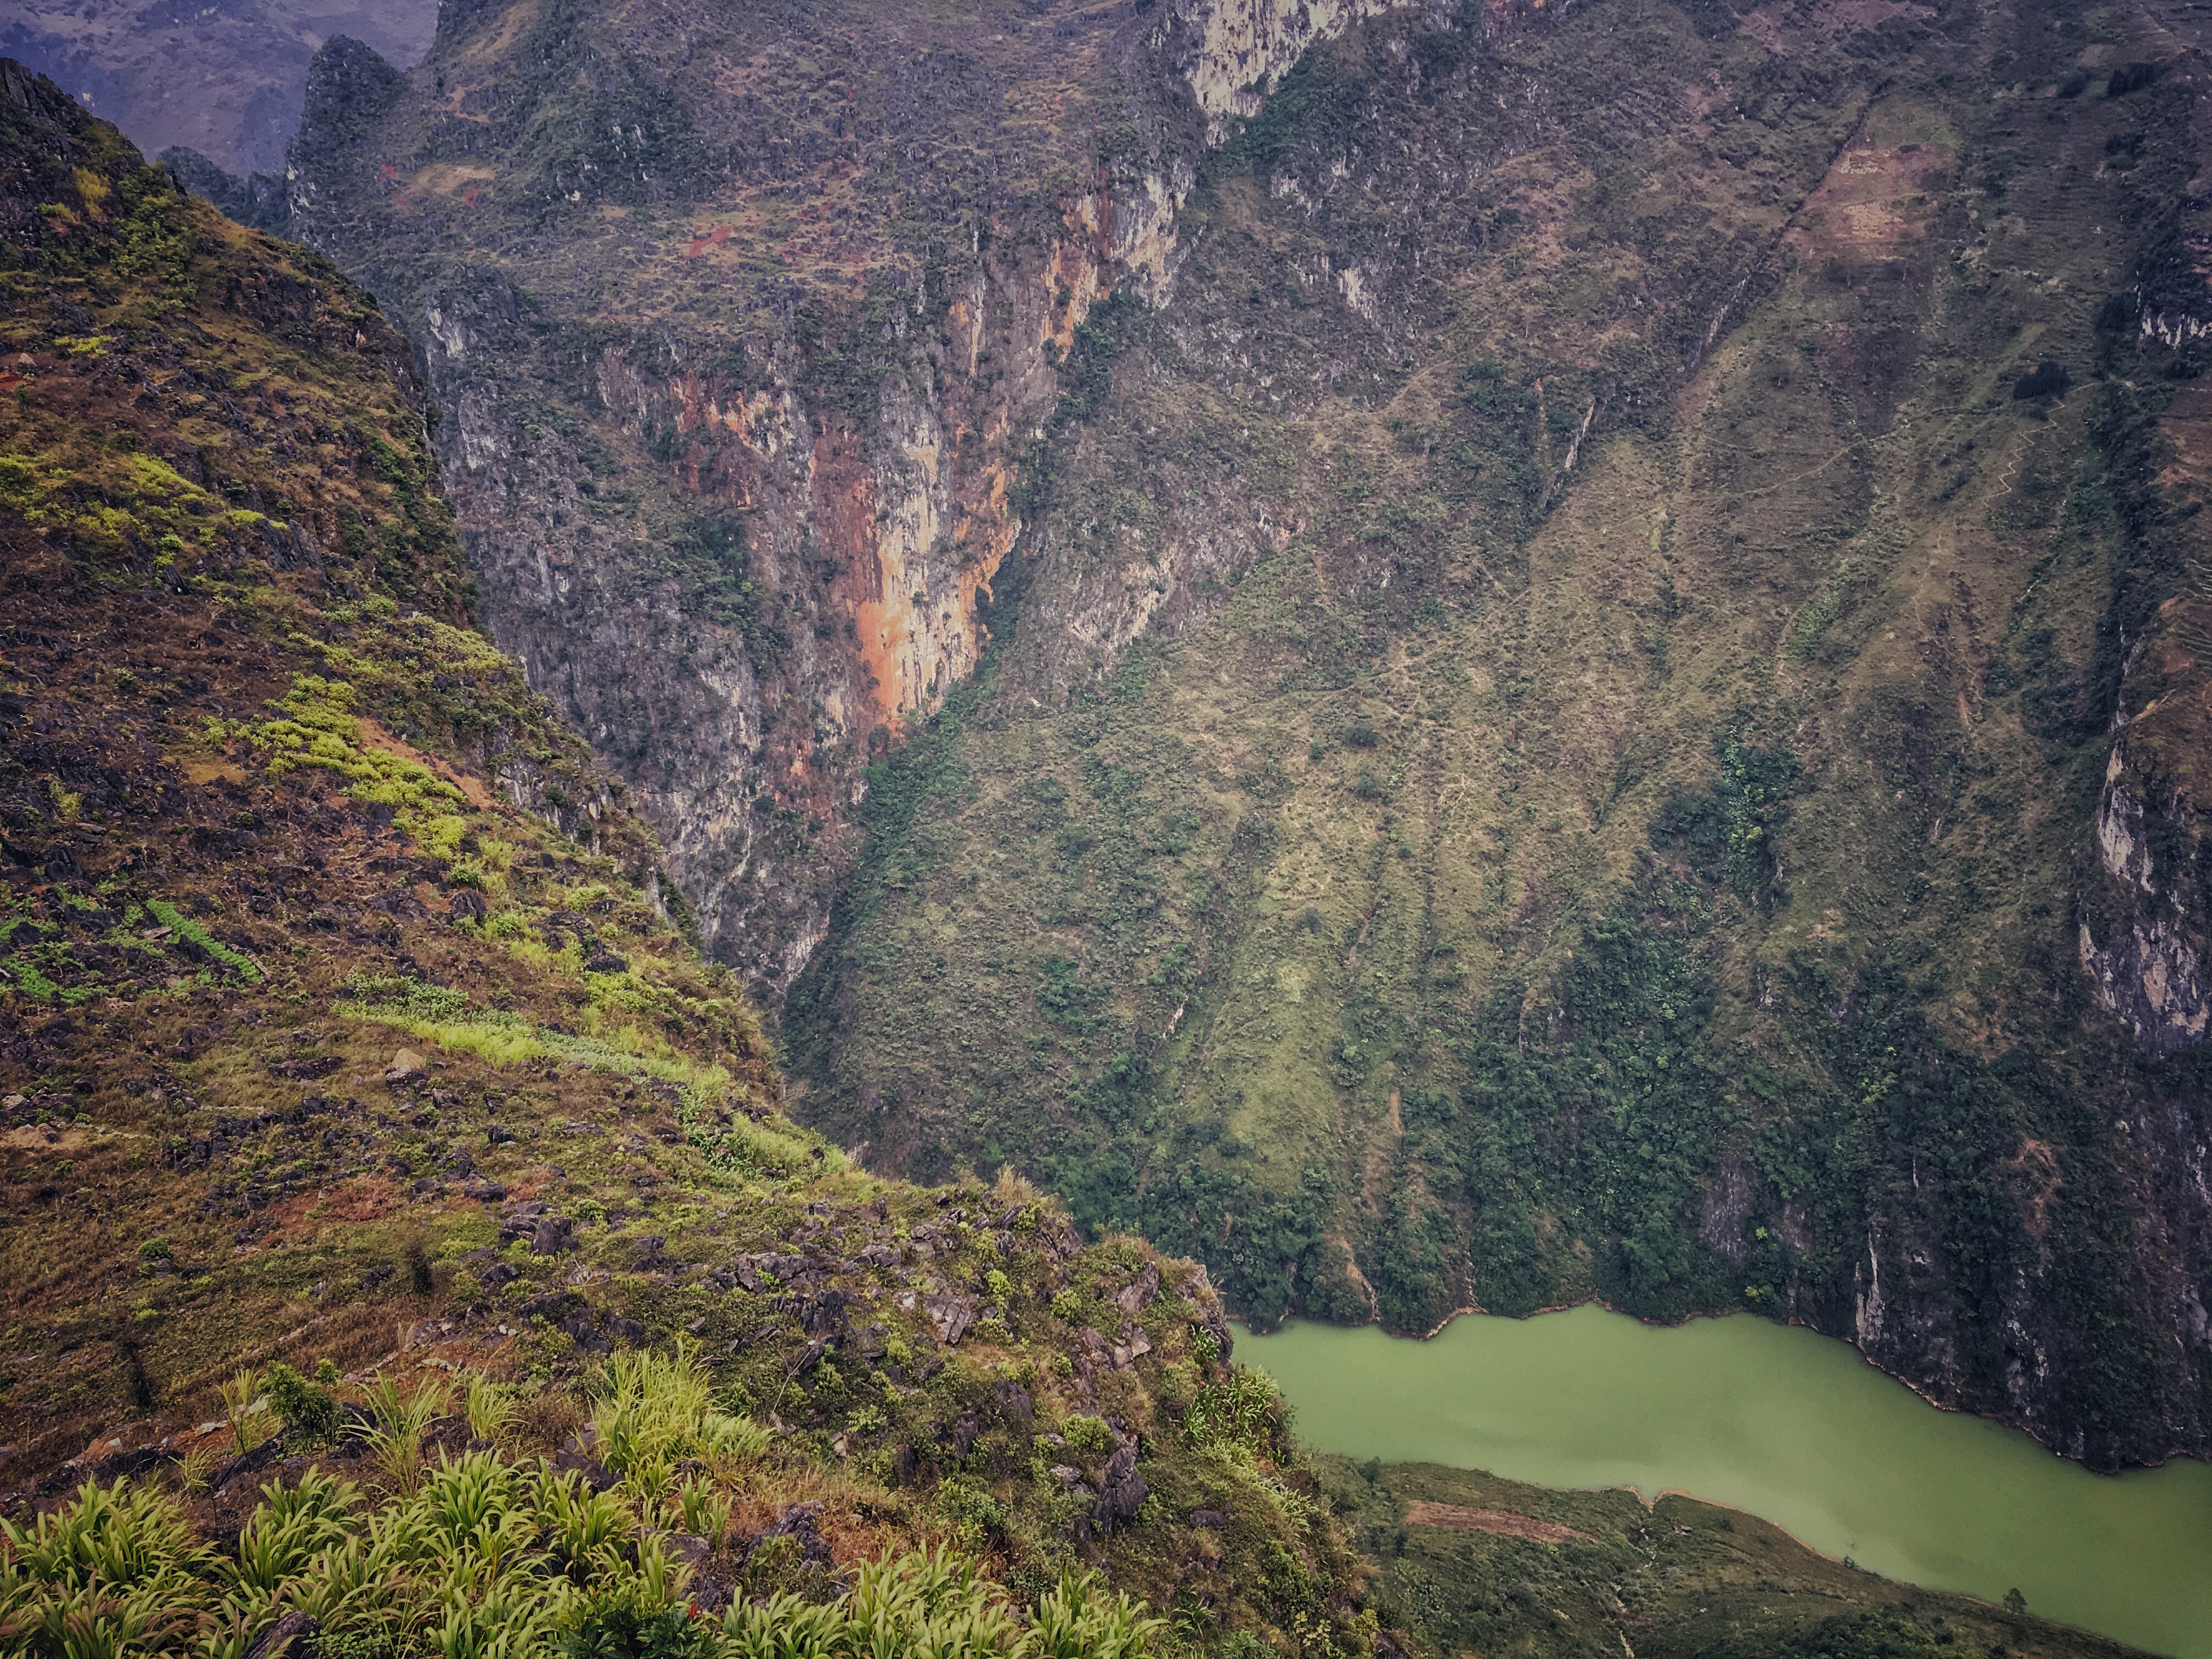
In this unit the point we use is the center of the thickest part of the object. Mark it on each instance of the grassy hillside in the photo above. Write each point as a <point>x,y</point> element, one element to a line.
<point>366,1109</point>
<point>1469,1562</point>
<point>1556,737</point>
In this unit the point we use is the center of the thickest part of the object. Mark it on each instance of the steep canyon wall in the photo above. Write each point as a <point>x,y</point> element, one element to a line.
<point>736,397</point>
<point>1462,655</point>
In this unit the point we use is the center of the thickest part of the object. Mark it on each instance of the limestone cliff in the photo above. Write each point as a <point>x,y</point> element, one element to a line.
<point>2149,968</point>
<point>808,309</point>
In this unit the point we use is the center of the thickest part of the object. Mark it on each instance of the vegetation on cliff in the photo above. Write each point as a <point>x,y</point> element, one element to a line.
<point>1559,738</point>
<point>1592,657</point>
<point>403,1249</point>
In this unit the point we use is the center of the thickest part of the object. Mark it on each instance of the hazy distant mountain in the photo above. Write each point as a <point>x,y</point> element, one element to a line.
<point>223,77</point>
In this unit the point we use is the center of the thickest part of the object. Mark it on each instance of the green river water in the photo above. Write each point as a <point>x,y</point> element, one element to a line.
<point>1792,1427</point>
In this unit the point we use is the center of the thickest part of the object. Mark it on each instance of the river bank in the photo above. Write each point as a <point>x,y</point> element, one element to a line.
<point>1781,1423</point>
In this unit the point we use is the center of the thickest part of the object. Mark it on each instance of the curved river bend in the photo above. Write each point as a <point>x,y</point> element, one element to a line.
<point>1795,1428</point>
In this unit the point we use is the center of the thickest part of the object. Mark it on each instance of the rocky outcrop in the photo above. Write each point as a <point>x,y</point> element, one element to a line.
<point>2152,977</point>
<point>258,199</point>
<point>2173,273</point>
<point>225,80</point>
<point>2146,954</point>
<point>1235,53</point>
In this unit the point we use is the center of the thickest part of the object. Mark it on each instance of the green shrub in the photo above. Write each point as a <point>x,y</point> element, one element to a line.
<point>185,927</point>
<point>1235,1417</point>
<point>633,1618</point>
<point>308,1412</point>
<point>1086,1437</point>
<point>975,1514</point>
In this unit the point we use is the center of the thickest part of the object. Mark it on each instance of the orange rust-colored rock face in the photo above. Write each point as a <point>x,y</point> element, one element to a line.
<point>845,509</point>
<point>915,643</point>
<point>1503,1523</point>
<point>911,510</point>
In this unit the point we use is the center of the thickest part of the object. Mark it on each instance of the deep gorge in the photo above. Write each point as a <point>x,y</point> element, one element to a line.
<point>1449,657</point>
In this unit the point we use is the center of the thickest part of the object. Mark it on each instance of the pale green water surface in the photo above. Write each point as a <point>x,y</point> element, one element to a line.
<point>1793,1427</point>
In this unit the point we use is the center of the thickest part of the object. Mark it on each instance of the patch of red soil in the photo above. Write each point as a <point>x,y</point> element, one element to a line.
<point>1504,1522</point>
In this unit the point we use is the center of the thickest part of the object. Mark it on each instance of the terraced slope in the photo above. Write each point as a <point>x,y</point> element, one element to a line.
<point>1467,1560</point>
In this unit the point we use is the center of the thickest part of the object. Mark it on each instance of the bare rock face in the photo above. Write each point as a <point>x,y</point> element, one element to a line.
<point>747,534</point>
<point>2152,978</point>
<point>2147,960</point>
<point>953,1314</point>
<point>1235,52</point>
<point>553,1236</point>
<point>801,1524</point>
<point>1122,1490</point>
<point>755,541</point>
<point>290,1637</point>
<point>1132,1296</point>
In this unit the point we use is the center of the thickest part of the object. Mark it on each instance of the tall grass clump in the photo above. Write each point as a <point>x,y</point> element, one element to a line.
<point>397,1423</point>
<point>654,1410</point>
<point>117,1572</point>
<point>488,1560</point>
<point>489,1407</point>
<point>247,1410</point>
<point>938,1604</point>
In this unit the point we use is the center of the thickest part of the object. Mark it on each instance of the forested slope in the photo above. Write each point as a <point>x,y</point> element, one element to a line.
<point>1606,708</point>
